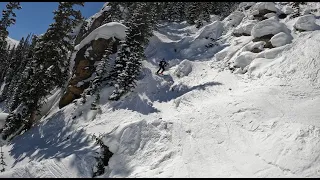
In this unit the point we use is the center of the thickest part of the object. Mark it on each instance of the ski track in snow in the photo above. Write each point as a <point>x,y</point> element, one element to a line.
<point>213,124</point>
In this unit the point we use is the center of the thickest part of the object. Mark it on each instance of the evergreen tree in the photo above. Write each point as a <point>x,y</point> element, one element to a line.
<point>17,66</point>
<point>8,18</point>
<point>128,62</point>
<point>15,57</point>
<point>2,161</point>
<point>48,68</point>
<point>24,70</point>
<point>101,72</point>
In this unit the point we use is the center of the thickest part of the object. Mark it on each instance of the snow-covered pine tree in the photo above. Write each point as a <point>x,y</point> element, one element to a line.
<point>101,72</point>
<point>48,68</point>
<point>192,12</point>
<point>16,68</point>
<point>59,42</point>
<point>128,62</point>
<point>11,63</point>
<point>8,18</point>
<point>16,57</point>
<point>204,13</point>
<point>179,12</point>
<point>2,162</point>
<point>24,74</point>
<point>115,12</point>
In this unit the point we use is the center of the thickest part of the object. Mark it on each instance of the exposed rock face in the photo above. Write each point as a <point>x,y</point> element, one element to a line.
<point>84,67</point>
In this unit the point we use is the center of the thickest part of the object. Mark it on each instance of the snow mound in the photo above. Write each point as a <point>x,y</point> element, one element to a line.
<point>105,31</point>
<point>183,69</point>
<point>307,23</point>
<point>213,30</point>
<point>268,26</point>
<point>244,59</point>
<point>246,27</point>
<point>272,53</point>
<point>257,66</point>
<point>143,144</point>
<point>265,6</point>
<point>281,39</point>
<point>253,45</point>
<point>299,62</point>
<point>287,9</point>
<point>234,19</point>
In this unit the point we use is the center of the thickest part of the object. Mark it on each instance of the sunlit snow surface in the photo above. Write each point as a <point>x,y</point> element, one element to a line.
<point>210,122</point>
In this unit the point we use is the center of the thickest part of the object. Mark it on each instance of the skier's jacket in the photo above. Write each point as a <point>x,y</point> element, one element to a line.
<point>163,63</point>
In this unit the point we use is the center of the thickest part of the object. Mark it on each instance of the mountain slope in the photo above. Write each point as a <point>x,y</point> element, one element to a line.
<point>259,120</point>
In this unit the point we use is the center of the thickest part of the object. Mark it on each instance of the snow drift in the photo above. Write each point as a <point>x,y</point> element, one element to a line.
<point>105,31</point>
<point>268,26</point>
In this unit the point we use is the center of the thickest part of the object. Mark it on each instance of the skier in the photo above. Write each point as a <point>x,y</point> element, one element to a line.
<point>162,64</point>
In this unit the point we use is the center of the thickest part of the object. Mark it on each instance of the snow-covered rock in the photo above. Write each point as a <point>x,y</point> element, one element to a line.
<point>183,69</point>
<point>281,39</point>
<point>234,19</point>
<point>245,28</point>
<point>306,23</point>
<point>105,31</point>
<point>287,10</point>
<point>244,59</point>
<point>268,26</point>
<point>265,6</point>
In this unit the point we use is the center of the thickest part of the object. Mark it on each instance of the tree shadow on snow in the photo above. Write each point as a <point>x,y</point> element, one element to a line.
<point>166,94</point>
<point>151,89</point>
<point>51,139</point>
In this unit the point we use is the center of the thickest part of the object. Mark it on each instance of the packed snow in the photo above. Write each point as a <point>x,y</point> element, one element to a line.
<point>260,121</point>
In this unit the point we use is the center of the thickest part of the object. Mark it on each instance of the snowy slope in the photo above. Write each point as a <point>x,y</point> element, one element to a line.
<point>209,123</point>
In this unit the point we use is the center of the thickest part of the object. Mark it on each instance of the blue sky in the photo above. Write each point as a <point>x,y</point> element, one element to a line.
<point>35,17</point>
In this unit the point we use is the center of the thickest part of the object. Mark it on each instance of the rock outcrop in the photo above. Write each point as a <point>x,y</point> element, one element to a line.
<point>84,67</point>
